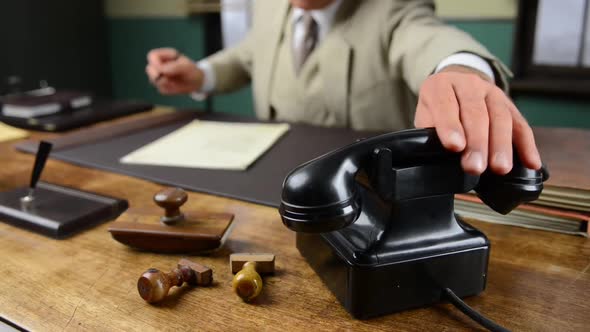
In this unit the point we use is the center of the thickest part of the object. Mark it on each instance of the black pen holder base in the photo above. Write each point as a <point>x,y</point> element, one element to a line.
<point>57,211</point>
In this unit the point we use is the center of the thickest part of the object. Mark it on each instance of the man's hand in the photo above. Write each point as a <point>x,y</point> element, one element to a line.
<point>473,116</point>
<point>173,73</point>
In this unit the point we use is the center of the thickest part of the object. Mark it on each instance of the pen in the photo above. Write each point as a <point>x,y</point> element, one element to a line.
<point>42,154</point>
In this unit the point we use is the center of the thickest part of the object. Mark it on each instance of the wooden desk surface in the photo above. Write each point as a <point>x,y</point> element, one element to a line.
<point>538,281</point>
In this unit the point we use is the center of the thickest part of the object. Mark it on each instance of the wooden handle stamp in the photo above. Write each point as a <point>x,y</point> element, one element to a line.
<point>153,285</point>
<point>173,231</point>
<point>171,199</point>
<point>247,283</point>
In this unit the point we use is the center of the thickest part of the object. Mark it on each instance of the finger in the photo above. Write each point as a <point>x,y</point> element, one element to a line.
<point>423,118</point>
<point>524,139</point>
<point>471,93</point>
<point>171,86</point>
<point>500,139</point>
<point>159,56</point>
<point>176,67</point>
<point>166,86</point>
<point>152,73</point>
<point>438,99</point>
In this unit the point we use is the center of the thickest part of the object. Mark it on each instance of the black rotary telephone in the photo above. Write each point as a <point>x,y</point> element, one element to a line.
<point>376,221</point>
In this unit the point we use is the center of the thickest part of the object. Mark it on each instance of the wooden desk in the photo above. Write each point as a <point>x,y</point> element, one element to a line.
<point>538,281</point>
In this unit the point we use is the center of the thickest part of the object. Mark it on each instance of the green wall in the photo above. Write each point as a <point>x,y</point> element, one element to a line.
<point>132,38</point>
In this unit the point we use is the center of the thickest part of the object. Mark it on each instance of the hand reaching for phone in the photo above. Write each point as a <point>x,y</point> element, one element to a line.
<point>475,117</point>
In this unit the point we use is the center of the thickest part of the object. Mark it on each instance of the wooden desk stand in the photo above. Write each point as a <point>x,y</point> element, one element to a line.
<point>174,232</point>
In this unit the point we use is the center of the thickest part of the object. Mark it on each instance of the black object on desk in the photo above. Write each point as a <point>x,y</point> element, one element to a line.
<point>375,220</point>
<point>54,210</point>
<point>99,111</point>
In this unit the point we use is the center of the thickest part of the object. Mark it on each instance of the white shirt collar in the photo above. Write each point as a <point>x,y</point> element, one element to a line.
<point>323,17</point>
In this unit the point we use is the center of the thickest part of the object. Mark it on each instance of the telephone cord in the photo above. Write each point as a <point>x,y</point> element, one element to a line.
<point>471,313</point>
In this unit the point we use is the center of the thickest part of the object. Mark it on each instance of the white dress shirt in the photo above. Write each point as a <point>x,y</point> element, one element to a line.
<point>324,18</point>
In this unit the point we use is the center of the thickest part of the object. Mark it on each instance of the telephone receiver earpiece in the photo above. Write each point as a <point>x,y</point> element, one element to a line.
<point>322,195</point>
<point>503,193</point>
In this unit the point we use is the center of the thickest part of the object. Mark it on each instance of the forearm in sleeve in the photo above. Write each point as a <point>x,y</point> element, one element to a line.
<point>422,41</point>
<point>231,67</point>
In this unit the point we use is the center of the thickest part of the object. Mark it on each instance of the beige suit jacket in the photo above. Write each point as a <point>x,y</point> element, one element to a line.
<point>373,61</point>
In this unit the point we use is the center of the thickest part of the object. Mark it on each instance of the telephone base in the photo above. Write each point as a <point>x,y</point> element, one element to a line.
<point>369,288</point>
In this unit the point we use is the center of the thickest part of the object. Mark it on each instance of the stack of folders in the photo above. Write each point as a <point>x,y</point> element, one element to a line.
<point>43,102</point>
<point>529,215</point>
<point>564,204</point>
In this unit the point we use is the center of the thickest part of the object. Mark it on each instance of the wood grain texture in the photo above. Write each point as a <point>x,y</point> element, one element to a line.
<point>566,153</point>
<point>537,281</point>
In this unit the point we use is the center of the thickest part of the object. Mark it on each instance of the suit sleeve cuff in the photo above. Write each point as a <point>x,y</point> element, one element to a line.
<point>468,60</point>
<point>208,81</point>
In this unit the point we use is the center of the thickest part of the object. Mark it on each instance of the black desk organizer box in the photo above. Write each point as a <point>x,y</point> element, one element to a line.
<point>100,110</point>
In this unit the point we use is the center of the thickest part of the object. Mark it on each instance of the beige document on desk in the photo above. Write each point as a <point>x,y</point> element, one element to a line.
<point>210,144</point>
<point>8,133</point>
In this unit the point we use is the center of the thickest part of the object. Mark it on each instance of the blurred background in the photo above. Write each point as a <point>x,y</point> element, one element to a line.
<point>101,46</point>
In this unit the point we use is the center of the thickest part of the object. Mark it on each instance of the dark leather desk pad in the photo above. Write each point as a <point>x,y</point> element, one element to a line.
<point>260,183</point>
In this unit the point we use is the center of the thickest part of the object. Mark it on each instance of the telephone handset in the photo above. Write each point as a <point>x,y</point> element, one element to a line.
<point>323,194</point>
<point>380,212</point>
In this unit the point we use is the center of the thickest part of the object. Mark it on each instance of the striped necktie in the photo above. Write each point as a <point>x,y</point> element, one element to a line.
<point>303,48</point>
